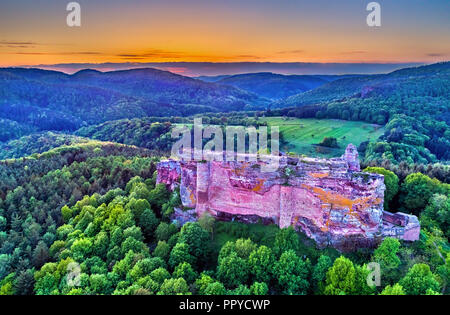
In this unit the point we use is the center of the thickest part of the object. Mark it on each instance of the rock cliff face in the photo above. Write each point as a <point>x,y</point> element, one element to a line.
<point>328,199</point>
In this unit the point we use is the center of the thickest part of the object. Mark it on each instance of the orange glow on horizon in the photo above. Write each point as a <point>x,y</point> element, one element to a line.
<point>8,59</point>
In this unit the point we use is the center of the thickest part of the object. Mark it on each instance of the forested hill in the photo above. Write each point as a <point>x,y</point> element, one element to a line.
<point>49,100</point>
<point>274,86</point>
<point>33,190</point>
<point>411,81</point>
<point>97,206</point>
<point>141,132</point>
<point>414,104</point>
<point>166,87</point>
<point>37,143</point>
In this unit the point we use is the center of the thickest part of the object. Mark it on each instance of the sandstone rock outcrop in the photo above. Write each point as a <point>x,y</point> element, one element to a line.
<point>330,200</point>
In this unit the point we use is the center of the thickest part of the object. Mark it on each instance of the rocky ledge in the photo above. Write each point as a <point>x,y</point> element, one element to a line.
<point>330,200</point>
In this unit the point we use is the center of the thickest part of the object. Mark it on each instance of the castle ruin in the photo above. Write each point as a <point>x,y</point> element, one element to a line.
<point>330,200</point>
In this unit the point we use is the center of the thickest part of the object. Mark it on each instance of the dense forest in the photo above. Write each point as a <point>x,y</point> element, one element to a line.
<point>10,129</point>
<point>33,191</point>
<point>81,213</point>
<point>414,104</point>
<point>104,216</point>
<point>37,143</point>
<point>276,86</point>
<point>139,132</point>
<point>49,100</point>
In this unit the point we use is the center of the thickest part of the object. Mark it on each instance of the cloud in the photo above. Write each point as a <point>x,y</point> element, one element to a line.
<point>8,43</point>
<point>436,55</point>
<point>248,56</point>
<point>72,53</point>
<point>17,44</point>
<point>288,52</point>
<point>154,53</point>
<point>27,45</point>
<point>133,58</point>
<point>353,52</point>
<point>165,54</point>
<point>83,53</point>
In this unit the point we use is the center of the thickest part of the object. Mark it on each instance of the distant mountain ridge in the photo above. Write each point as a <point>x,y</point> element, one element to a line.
<point>274,86</point>
<point>362,85</point>
<point>412,103</point>
<point>196,69</point>
<point>51,100</point>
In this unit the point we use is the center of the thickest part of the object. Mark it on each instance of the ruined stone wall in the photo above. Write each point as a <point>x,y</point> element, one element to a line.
<point>328,199</point>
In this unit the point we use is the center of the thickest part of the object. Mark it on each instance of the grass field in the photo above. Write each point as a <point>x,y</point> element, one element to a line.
<point>303,134</point>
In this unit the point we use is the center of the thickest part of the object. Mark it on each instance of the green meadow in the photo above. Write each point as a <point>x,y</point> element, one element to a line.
<point>303,135</point>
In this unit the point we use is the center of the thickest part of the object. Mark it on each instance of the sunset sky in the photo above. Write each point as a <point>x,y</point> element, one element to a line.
<point>35,32</point>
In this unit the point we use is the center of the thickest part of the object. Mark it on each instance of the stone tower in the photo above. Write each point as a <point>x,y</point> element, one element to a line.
<point>352,158</point>
<point>330,200</point>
